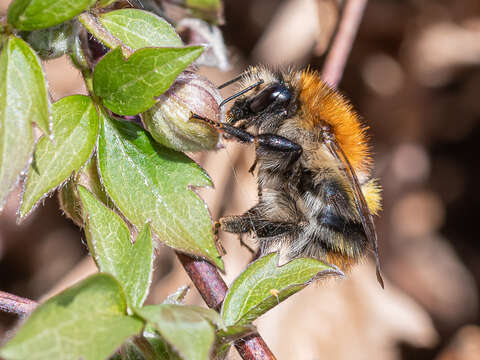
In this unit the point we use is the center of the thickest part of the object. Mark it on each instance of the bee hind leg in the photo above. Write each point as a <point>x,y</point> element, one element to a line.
<point>262,228</point>
<point>237,224</point>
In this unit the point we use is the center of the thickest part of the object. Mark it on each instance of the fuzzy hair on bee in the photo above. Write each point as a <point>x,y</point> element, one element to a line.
<point>316,196</point>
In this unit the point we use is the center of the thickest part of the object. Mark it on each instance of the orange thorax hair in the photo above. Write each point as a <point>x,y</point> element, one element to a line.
<point>318,103</point>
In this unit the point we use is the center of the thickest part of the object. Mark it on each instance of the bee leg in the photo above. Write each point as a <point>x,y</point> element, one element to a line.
<point>236,224</point>
<point>240,224</point>
<point>216,239</point>
<point>244,244</point>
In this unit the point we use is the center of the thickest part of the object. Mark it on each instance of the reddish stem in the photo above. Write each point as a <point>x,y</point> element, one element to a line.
<point>206,279</point>
<point>16,305</point>
<point>342,43</point>
<point>213,289</point>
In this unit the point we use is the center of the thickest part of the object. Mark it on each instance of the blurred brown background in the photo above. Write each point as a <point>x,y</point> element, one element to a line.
<point>414,75</point>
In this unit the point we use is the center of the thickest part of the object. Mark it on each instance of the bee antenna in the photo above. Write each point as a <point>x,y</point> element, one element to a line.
<point>234,80</point>
<point>240,93</point>
<point>229,82</point>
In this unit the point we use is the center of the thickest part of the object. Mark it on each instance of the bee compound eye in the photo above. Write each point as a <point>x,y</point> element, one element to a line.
<point>276,93</point>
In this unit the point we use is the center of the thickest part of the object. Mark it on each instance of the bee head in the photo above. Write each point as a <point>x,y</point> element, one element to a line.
<point>270,102</point>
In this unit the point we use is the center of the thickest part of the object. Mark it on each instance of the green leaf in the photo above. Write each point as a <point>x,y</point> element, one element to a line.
<point>138,29</point>
<point>150,183</point>
<point>75,129</point>
<point>110,243</point>
<point>264,285</point>
<point>129,87</point>
<point>40,14</point>
<point>185,328</point>
<point>23,100</point>
<point>87,321</point>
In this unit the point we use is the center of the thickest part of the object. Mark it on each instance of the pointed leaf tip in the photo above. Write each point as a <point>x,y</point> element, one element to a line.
<point>136,81</point>
<point>264,284</point>
<point>110,243</point>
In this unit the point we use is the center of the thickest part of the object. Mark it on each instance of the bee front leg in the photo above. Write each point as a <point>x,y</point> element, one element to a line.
<point>264,143</point>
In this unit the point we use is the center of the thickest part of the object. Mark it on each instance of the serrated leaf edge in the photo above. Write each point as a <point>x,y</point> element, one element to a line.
<point>157,238</point>
<point>49,193</point>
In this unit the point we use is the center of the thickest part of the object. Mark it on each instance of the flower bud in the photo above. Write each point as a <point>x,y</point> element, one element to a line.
<point>199,32</point>
<point>170,120</point>
<point>52,42</point>
<point>68,196</point>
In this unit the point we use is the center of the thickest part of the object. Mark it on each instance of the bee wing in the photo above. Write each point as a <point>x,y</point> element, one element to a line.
<point>360,202</point>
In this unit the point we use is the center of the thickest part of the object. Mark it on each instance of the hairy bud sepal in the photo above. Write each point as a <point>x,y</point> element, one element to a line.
<point>170,120</point>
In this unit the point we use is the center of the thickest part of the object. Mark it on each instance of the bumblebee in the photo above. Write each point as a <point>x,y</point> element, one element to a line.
<point>316,196</point>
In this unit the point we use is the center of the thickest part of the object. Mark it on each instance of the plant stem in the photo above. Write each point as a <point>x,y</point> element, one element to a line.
<point>16,305</point>
<point>213,289</point>
<point>145,347</point>
<point>342,43</point>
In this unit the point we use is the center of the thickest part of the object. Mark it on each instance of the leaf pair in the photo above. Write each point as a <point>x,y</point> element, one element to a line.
<point>89,321</point>
<point>71,131</point>
<point>149,71</point>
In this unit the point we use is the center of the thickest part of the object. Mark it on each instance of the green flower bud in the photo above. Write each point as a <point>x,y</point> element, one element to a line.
<point>52,42</point>
<point>170,120</point>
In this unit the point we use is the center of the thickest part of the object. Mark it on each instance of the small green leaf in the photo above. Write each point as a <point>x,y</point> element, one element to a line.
<point>40,14</point>
<point>264,285</point>
<point>129,87</point>
<point>87,321</point>
<point>105,3</point>
<point>209,10</point>
<point>110,243</point>
<point>23,100</point>
<point>75,129</point>
<point>186,328</point>
<point>235,332</point>
<point>138,29</point>
<point>150,183</point>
